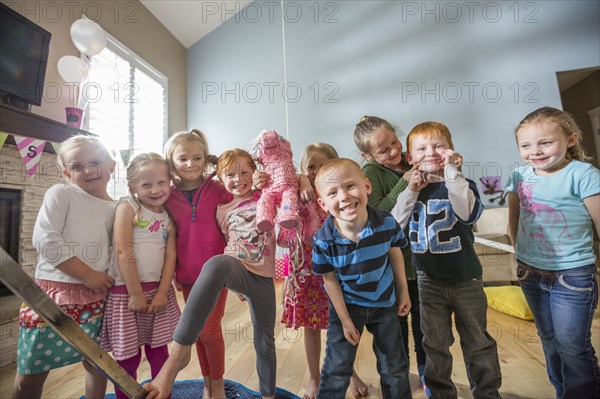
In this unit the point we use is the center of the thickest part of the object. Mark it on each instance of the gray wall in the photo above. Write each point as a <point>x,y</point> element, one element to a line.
<point>478,67</point>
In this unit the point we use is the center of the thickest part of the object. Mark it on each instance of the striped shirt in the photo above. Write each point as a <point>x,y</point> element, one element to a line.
<point>363,268</point>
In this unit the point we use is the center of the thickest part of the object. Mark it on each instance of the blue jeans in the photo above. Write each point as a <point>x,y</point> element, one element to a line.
<point>392,365</point>
<point>563,304</point>
<point>466,299</point>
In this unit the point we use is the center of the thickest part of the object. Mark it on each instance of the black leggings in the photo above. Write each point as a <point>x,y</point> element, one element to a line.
<point>415,314</point>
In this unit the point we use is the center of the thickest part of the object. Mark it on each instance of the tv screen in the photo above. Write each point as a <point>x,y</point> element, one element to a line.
<point>23,57</point>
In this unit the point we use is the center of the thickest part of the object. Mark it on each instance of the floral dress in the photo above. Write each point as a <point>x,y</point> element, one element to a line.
<point>307,304</point>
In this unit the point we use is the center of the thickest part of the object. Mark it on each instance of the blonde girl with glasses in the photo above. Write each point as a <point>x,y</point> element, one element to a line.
<point>72,235</point>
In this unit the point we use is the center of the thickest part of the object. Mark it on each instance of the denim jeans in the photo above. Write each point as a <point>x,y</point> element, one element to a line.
<point>466,299</point>
<point>384,324</point>
<point>563,304</point>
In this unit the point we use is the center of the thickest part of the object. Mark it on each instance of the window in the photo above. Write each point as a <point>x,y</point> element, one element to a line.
<point>126,106</point>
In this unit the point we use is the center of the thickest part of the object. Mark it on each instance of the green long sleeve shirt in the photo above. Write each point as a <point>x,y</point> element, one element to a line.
<point>386,185</point>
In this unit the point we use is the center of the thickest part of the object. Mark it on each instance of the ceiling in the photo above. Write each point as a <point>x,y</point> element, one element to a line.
<point>191,20</point>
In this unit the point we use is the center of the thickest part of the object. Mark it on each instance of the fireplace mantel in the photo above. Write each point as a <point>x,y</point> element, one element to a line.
<point>20,122</point>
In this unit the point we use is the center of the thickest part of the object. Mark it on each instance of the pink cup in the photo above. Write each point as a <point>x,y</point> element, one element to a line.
<point>74,116</point>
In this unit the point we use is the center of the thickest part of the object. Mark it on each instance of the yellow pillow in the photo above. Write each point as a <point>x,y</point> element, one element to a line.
<point>510,300</point>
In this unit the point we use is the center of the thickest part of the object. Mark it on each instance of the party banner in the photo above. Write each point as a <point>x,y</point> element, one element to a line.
<point>3,137</point>
<point>31,152</point>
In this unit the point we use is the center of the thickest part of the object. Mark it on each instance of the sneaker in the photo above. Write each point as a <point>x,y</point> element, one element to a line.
<point>421,368</point>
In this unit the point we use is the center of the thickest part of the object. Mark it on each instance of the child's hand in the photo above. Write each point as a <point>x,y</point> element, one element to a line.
<point>404,304</point>
<point>416,179</point>
<point>259,180</point>
<point>351,334</point>
<point>138,303</point>
<point>158,303</point>
<point>307,193</point>
<point>98,282</point>
<point>450,157</point>
<point>459,161</point>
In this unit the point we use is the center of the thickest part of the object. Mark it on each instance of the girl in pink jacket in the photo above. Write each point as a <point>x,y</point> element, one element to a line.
<point>193,207</point>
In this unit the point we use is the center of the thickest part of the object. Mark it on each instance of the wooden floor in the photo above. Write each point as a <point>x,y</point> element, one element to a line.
<point>521,360</point>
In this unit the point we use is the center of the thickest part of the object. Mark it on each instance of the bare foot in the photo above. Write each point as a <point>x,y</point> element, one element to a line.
<point>161,386</point>
<point>217,390</point>
<point>310,392</point>
<point>358,387</point>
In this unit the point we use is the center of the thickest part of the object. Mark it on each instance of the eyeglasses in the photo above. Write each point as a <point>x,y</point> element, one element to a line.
<point>79,167</point>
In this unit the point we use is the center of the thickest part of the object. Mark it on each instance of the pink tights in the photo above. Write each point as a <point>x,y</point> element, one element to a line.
<point>156,357</point>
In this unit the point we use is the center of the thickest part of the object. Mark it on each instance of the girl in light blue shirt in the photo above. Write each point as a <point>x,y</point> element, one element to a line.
<point>553,202</point>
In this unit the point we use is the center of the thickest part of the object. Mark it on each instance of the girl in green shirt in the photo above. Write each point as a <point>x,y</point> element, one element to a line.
<point>388,171</point>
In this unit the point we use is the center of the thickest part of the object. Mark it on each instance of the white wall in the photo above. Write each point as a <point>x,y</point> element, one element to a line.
<point>478,67</point>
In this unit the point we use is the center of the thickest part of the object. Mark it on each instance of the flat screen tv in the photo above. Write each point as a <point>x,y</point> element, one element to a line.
<point>23,58</point>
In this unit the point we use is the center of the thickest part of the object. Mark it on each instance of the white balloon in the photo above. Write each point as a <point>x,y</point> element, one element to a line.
<point>72,69</point>
<point>88,37</point>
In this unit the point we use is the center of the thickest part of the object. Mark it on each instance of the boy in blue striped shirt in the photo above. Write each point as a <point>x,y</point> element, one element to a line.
<point>358,253</point>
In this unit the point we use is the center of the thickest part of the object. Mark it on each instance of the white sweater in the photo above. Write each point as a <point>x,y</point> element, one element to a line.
<point>72,223</point>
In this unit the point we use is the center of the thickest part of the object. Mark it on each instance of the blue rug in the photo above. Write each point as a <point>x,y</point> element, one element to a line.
<point>191,389</point>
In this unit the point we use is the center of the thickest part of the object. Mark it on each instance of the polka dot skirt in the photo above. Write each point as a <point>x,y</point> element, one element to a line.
<point>41,349</point>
